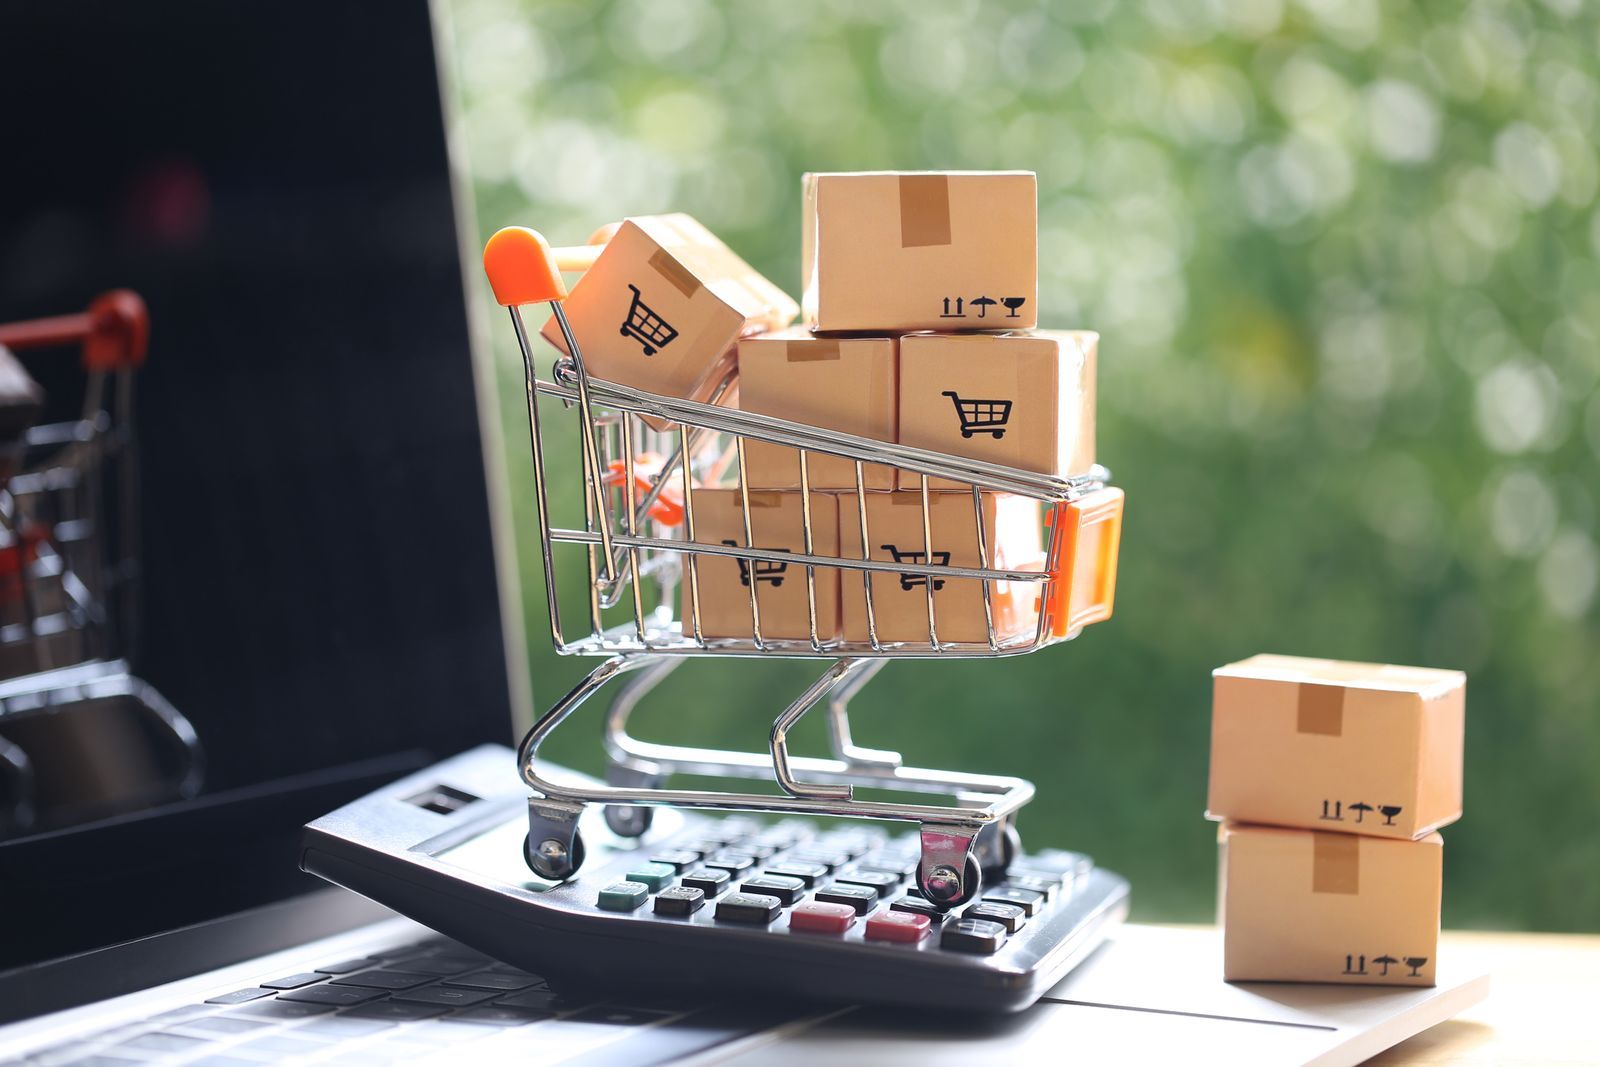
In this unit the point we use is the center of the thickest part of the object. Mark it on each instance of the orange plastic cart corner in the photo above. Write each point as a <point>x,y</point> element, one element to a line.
<point>1082,561</point>
<point>521,268</point>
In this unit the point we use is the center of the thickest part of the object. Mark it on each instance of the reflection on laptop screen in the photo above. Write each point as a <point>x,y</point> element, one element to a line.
<point>313,585</point>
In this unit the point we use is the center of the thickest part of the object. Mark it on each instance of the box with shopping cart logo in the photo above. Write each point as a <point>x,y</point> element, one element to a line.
<point>663,306</point>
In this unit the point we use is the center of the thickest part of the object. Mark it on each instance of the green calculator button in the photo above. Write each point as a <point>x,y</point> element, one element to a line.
<point>657,876</point>
<point>623,896</point>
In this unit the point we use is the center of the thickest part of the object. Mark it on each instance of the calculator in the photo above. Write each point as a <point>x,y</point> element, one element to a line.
<point>825,910</point>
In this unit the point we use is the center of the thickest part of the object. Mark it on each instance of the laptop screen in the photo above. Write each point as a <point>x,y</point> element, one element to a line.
<point>312,587</point>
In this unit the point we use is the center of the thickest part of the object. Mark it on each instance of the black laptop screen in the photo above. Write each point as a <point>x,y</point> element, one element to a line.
<point>316,591</point>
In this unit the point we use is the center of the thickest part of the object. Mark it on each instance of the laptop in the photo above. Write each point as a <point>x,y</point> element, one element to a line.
<point>327,590</point>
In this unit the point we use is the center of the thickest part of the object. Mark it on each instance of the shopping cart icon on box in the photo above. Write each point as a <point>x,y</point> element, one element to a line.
<point>766,570</point>
<point>909,582</point>
<point>981,416</point>
<point>645,326</point>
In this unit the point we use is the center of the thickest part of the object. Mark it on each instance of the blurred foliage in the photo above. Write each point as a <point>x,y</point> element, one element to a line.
<point>1343,256</point>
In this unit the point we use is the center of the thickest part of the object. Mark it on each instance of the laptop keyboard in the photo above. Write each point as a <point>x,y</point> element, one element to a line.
<point>425,1000</point>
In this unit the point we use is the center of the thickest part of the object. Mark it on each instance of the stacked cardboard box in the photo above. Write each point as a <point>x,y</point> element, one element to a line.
<point>1332,780</point>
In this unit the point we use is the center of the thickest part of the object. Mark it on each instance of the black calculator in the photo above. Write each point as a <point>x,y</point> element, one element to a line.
<point>825,911</point>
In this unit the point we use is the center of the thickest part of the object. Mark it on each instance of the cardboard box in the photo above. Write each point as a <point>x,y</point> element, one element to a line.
<point>1359,748</point>
<point>894,251</point>
<point>776,522</point>
<point>837,383</point>
<point>1302,906</point>
<point>1011,529</point>
<point>1023,399</point>
<point>663,303</point>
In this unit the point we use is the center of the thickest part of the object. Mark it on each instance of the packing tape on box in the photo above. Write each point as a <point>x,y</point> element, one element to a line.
<point>1335,863</point>
<point>664,264</point>
<point>924,210</point>
<point>764,499</point>
<point>1320,709</point>
<point>811,350</point>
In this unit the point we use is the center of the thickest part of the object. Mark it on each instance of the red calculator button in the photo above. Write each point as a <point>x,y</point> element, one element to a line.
<point>902,926</point>
<point>821,917</point>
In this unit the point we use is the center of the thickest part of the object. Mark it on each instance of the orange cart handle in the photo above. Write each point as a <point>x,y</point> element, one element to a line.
<point>114,332</point>
<point>524,269</point>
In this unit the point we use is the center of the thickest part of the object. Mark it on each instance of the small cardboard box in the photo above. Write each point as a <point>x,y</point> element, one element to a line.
<point>1023,399</point>
<point>1011,530</point>
<point>836,383</point>
<point>776,522</point>
<point>1360,748</point>
<point>1303,906</point>
<point>663,303</point>
<point>891,251</point>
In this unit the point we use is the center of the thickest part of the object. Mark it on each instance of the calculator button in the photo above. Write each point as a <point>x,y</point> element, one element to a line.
<point>820,917</point>
<point>622,896</point>
<point>973,935</point>
<point>787,834</point>
<point>709,880</point>
<point>747,908</point>
<point>680,900</point>
<point>899,926</point>
<point>1046,886</point>
<point>882,881</point>
<point>830,858</point>
<point>657,876</point>
<point>1008,915</point>
<point>786,889</point>
<point>737,862</point>
<point>917,906</point>
<point>860,897</point>
<point>903,866</point>
<point>1026,899</point>
<point>679,859</point>
<point>809,873</point>
<point>756,848</point>
<point>703,845</point>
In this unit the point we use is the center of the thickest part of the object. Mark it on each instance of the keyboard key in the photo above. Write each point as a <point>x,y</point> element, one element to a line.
<point>654,876</point>
<point>497,1015</point>
<point>393,1011</point>
<point>899,866</point>
<point>747,908</point>
<point>787,890</point>
<point>809,873</point>
<point>1047,886</point>
<point>343,1025</point>
<point>385,980</point>
<point>679,901</point>
<point>1026,899</point>
<point>882,881</point>
<point>733,862</point>
<point>161,1042</point>
<point>757,849</point>
<point>443,995</point>
<point>346,966</point>
<point>679,859</point>
<point>290,1044</point>
<point>280,1009</point>
<point>188,1011</point>
<point>441,965</point>
<point>1008,915</point>
<point>709,880</point>
<point>623,896</point>
<point>617,1015</point>
<point>240,996</point>
<point>541,1000</point>
<point>224,1024</point>
<point>498,981</point>
<point>703,845</point>
<point>817,916</point>
<point>830,858</point>
<point>863,898</point>
<point>295,981</point>
<point>339,996</point>
<point>917,906</point>
<point>903,927</point>
<point>973,935</point>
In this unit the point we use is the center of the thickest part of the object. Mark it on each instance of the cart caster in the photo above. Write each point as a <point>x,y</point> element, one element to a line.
<point>942,888</point>
<point>998,845</point>
<point>552,859</point>
<point>628,820</point>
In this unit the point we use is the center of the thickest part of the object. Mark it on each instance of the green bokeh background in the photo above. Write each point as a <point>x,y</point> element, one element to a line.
<point>1343,257</point>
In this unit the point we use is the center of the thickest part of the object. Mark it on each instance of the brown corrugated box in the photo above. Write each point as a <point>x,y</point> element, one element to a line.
<point>836,383</point>
<point>1011,527</point>
<point>724,583</point>
<point>892,251</point>
<point>664,302</point>
<point>1303,906</point>
<point>1023,399</point>
<point>1358,748</point>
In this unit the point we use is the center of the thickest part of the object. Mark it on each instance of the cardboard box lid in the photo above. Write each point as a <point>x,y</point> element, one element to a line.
<point>705,261</point>
<point>1426,682</point>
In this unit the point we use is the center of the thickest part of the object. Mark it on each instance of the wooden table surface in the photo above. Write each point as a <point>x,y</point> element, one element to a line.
<point>1543,1005</point>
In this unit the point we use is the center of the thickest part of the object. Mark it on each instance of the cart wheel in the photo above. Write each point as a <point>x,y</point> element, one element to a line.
<point>629,820</point>
<point>942,894</point>
<point>966,435</point>
<point>998,846</point>
<point>999,434</point>
<point>555,863</point>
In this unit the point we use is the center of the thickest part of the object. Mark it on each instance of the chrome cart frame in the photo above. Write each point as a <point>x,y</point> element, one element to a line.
<point>628,513</point>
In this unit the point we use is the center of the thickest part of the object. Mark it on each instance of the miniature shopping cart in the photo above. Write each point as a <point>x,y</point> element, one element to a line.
<point>909,580</point>
<point>645,326</point>
<point>635,562</point>
<point>68,582</point>
<point>981,416</point>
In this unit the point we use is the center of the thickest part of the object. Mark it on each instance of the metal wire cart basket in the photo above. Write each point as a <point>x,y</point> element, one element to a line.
<point>644,459</point>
